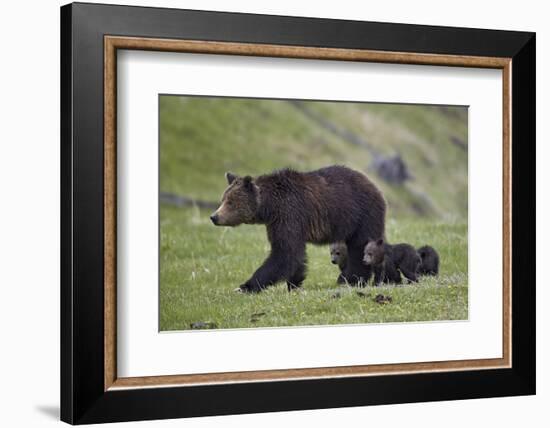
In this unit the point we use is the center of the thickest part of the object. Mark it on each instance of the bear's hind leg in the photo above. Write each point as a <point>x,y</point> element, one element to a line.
<point>392,274</point>
<point>410,267</point>
<point>409,273</point>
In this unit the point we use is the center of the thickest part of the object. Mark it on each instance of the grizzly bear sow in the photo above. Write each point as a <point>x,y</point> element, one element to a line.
<point>328,205</point>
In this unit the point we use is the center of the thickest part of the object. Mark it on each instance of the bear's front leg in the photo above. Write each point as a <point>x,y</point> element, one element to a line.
<point>283,263</point>
<point>341,279</point>
<point>379,274</point>
<point>410,275</point>
<point>296,279</point>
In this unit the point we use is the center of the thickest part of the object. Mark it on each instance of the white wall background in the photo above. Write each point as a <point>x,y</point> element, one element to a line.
<point>29,213</point>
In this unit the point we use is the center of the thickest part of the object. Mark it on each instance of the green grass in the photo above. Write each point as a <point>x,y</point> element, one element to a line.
<point>201,265</point>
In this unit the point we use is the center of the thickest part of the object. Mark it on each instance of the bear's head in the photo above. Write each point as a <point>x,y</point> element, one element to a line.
<point>374,252</point>
<point>239,202</point>
<point>422,253</point>
<point>338,253</point>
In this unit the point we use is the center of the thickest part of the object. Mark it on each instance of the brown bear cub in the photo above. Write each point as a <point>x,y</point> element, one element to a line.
<point>389,260</point>
<point>430,261</point>
<point>339,256</point>
<point>327,205</point>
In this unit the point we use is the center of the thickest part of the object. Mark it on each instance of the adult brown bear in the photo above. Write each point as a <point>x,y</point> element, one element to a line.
<point>323,206</point>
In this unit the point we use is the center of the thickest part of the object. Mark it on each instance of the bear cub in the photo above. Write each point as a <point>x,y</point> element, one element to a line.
<point>429,261</point>
<point>339,256</point>
<point>389,261</point>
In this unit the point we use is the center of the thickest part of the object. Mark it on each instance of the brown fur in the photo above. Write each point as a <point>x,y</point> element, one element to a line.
<point>430,260</point>
<point>388,260</point>
<point>338,254</point>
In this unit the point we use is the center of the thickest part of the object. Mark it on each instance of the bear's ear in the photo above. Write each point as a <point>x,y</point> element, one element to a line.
<point>380,242</point>
<point>230,177</point>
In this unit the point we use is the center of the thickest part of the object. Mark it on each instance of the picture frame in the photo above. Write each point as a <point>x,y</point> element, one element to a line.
<point>91,391</point>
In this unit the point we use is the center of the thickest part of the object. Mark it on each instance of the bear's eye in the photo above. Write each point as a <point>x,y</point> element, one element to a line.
<point>229,203</point>
<point>337,253</point>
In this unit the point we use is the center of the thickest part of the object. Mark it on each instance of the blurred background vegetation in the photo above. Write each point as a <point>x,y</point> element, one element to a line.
<point>417,154</point>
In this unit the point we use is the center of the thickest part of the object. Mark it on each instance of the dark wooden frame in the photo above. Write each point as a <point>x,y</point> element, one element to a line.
<point>90,35</point>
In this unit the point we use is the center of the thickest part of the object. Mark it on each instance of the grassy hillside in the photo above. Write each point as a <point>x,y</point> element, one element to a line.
<point>201,138</point>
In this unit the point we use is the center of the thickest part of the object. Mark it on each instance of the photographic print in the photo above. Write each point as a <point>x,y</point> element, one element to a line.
<point>277,213</point>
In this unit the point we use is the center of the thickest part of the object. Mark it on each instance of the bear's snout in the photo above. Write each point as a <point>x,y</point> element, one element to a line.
<point>214,218</point>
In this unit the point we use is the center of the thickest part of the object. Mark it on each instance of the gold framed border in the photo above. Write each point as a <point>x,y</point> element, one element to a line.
<point>113,43</point>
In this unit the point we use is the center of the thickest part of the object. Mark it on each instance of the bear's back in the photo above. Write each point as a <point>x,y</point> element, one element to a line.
<point>328,204</point>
